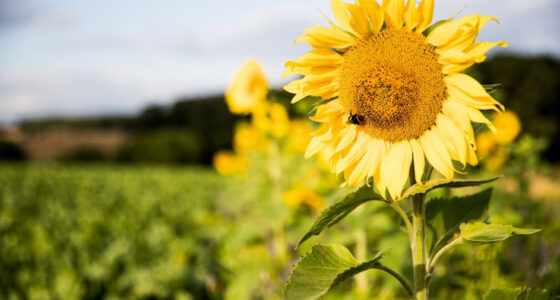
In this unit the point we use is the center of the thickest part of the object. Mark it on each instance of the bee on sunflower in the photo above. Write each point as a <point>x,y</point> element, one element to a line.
<point>393,89</point>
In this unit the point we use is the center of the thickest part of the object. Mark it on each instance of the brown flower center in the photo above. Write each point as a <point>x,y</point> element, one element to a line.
<point>392,79</point>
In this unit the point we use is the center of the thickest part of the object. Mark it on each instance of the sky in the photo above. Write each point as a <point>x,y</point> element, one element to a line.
<point>72,57</point>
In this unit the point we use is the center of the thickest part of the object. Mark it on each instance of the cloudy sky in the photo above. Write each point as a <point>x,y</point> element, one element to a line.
<point>70,57</point>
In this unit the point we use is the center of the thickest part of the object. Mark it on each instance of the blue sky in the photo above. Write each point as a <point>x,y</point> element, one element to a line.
<point>90,57</point>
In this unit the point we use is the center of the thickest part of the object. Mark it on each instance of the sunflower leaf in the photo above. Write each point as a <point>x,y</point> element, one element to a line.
<point>424,188</point>
<point>481,233</point>
<point>443,216</point>
<point>515,294</point>
<point>322,269</point>
<point>338,211</point>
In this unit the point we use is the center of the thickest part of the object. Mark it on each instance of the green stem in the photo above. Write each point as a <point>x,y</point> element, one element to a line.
<point>419,247</point>
<point>396,275</point>
<point>434,260</point>
<point>403,215</point>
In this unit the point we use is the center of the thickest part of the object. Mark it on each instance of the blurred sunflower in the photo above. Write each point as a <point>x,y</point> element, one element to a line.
<point>508,127</point>
<point>395,92</point>
<point>248,89</point>
<point>227,163</point>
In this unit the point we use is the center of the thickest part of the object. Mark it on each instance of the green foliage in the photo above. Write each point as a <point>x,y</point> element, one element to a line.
<point>515,294</point>
<point>164,146</point>
<point>322,269</point>
<point>338,211</point>
<point>481,233</point>
<point>423,188</point>
<point>443,216</point>
<point>96,232</point>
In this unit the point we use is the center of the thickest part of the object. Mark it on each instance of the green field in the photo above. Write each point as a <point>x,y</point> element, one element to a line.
<point>94,231</point>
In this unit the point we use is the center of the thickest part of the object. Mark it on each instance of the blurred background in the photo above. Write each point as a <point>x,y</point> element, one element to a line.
<point>114,136</point>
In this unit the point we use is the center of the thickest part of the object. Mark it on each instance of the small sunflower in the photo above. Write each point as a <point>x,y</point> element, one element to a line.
<point>396,94</point>
<point>248,89</point>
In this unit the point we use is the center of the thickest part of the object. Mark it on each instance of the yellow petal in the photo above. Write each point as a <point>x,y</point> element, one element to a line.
<point>379,149</point>
<point>418,159</point>
<point>457,113</point>
<point>480,48</point>
<point>328,111</point>
<point>347,139</point>
<point>436,153</point>
<point>396,166</point>
<point>355,153</point>
<point>360,172</point>
<point>458,34</point>
<point>477,117</point>
<point>315,145</point>
<point>323,37</point>
<point>358,19</point>
<point>374,13</point>
<point>317,57</point>
<point>341,15</point>
<point>468,90</point>
<point>294,87</point>
<point>394,12</point>
<point>411,15</point>
<point>454,139</point>
<point>426,12</point>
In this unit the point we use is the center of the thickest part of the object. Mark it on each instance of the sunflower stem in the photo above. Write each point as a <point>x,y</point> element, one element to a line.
<point>418,247</point>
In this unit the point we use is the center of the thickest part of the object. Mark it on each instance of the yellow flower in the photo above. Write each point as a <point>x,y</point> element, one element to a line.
<point>397,97</point>
<point>309,198</point>
<point>247,90</point>
<point>495,161</point>
<point>227,163</point>
<point>485,144</point>
<point>279,120</point>
<point>246,139</point>
<point>299,135</point>
<point>508,127</point>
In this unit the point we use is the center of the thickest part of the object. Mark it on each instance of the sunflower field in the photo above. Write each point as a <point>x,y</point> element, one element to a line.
<point>389,171</point>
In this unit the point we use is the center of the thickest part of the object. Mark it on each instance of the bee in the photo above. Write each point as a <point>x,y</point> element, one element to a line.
<point>356,119</point>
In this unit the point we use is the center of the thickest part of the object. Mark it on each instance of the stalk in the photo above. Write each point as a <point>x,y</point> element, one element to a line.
<point>419,247</point>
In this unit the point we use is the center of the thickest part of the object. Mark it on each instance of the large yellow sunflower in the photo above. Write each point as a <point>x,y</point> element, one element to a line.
<point>396,93</point>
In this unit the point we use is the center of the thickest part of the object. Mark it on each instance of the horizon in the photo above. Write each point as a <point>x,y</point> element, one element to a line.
<point>60,60</point>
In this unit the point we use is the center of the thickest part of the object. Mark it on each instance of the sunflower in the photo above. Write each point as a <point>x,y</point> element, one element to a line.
<point>248,89</point>
<point>394,95</point>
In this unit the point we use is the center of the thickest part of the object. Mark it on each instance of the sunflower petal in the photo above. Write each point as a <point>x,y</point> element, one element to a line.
<point>426,12</point>
<point>358,19</point>
<point>436,153</point>
<point>341,15</point>
<point>468,90</point>
<point>395,167</point>
<point>374,13</point>
<point>459,34</point>
<point>418,159</point>
<point>411,15</point>
<point>394,12</point>
<point>324,37</point>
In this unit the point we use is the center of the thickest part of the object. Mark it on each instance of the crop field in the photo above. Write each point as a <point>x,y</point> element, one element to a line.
<point>153,232</point>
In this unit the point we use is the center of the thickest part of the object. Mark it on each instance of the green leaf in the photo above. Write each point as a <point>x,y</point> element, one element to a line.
<point>515,294</point>
<point>322,269</point>
<point>443,216</point>
<point>336,212</point>
<point>429,185</point>
<point>481,233</point>
<point>491,88</point>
